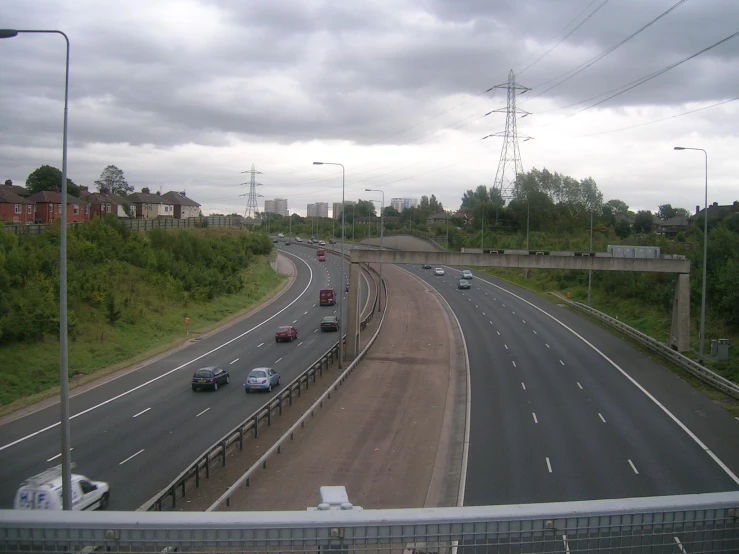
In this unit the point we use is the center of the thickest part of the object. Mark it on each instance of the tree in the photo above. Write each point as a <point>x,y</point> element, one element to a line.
<point>622,228</point>
<point>391,212</point>
<point>666,211</point>
<point>113,180</point>
<point>643,222</point>
<point>434,205</point>
<point>617,206</point>
<point>49,178</point>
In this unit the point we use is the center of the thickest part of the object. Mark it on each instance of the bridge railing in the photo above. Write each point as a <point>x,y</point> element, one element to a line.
<point>705,523</point>
<point>691,366</point>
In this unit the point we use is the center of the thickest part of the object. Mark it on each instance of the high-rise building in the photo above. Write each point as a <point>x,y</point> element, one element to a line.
<point>401,204</point>
<point>319,209</point>
<point>276,206</point>
<point>336,209</point>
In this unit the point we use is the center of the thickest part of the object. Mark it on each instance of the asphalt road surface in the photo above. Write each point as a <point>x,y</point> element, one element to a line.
<point>564,412</point>
<point>139,431</point>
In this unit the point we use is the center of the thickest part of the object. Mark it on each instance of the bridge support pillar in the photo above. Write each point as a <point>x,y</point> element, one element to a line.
<point>680,332</point>
<point>352,313</point>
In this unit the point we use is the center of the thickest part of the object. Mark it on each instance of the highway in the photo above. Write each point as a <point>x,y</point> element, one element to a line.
<point>140,430</point>
<point>556,416</point>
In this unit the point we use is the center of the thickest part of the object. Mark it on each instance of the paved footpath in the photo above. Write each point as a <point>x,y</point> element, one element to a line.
<point>393,434</point>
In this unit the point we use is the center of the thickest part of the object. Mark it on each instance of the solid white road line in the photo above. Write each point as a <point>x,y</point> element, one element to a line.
<point>633,467</point>
<point>534,414</point>
<point>633,381</point>
<point>600,415</point>
<point>549,465</point>
<point>260,345</point>
<point>131,457</point>
<point>680,546</point>
<point>57,456</point>
<point>523,386</point>
<point>232,363</point>
<point>278,361</point>
<point>166,373</point>
<point>201,413</point>
<point>579,385</point>
<point>142,412</point>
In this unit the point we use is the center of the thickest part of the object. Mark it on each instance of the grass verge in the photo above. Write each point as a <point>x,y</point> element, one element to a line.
<point>30,372</point>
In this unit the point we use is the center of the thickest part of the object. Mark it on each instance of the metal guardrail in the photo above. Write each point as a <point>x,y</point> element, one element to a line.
<point>693,367</point>
<point>705,523</point>
<point>218,452</point>
<point>289,434</point>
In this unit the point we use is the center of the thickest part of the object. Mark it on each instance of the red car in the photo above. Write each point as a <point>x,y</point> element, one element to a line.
<point>286,333</point>
<point>321,258</point>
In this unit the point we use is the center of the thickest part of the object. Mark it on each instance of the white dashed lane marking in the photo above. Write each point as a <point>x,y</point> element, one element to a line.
<point>534,414</point>
<point>523,385</point>
<point>633,467</point>
<point>259,346</point>
<point>232,363</point>
<point>201,413</point>
<point>142,412</point>
<point>579,385</point>
<point>131,457</point>
<point>601,417</point>
<point>549,465</point>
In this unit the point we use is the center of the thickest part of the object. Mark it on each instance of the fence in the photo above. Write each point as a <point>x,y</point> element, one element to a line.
<point>704,523</point>
<point>218,452</point>
<point>703,373</point>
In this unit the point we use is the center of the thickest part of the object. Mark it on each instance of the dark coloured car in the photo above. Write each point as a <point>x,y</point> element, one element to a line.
<point>210,378</point>
<point>330,323</point>
<point>262,378</point>
<point>426,266</point>
<point>286,333</point>
<point>275,241</point>
<point>321,258</point>
<point>287,243</point>
<point>463,284</point>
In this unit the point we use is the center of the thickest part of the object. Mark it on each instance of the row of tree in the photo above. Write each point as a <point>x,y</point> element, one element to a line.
<point>49,178</point>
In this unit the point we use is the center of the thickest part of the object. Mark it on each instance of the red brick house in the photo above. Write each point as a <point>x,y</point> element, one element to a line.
<point>49,208</point>
<point>14,208</point>
<point>104,203</point>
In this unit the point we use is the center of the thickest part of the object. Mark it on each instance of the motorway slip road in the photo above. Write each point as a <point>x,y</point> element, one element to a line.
<point>393,434</point>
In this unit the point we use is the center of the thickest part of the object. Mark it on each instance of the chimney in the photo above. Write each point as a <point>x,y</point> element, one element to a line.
<point>8,183</point>
<point>697,210</point>
<point>145,190</point>
<point>159,193</point>
<point>715,205</point>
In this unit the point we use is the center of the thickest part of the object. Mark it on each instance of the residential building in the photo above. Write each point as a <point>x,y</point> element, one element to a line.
<point>151,206</point>
<point>401,204</point>
<point>48,208</point>
<point>336,209</point>
<point>20,191</point>
<point>14,208</point>
<point>104,203</point>
<point>319,209</point>
<point>669,228</point>
<point>276,206</point>
<point>184,207</point>
<point>441,217</point>
<point>719,212</point>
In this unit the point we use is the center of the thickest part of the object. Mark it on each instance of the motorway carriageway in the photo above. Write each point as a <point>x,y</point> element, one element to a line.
<point>141,429</point>
<point>556,416</point>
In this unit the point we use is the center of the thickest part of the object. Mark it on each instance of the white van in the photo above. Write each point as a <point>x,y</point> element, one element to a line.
<point>44,492</point>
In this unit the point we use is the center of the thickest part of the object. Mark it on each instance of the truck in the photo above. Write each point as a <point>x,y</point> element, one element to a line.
<point>327,297</point>
<point>321,252</point>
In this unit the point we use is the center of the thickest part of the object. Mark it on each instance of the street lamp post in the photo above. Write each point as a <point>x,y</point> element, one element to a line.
<point>590,271</point>
<point>382,234</point>
<point>705,253</point>
<point>63,338</point>
<point>343,277</point>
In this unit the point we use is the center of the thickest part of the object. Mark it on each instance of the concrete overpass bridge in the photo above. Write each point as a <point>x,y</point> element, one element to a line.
<point>421,252</point>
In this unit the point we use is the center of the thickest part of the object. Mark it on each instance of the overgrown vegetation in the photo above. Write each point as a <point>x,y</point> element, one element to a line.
<point>127,292</point>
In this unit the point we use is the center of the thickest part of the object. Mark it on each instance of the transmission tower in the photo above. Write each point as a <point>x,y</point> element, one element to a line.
<point>509,165</point>
<point>251,201</point>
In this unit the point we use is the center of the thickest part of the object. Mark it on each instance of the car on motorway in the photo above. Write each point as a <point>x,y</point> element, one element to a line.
<point>280,235</point>
<point>466,274</point>
<point>327,297</point>
<point>275,241</point>
<point>286,333</point>
<point>261,378</point>
<point>331,241</point>
<point>210,378</point>
<point>464,284</point>
<point>330,323</point>
<point>287,243</point>
<point>44,492</point>
<point>322,243</point>
<point>426,266</point>
<point>439,271</point>
<point>298,239</point>
<point>321,258</point>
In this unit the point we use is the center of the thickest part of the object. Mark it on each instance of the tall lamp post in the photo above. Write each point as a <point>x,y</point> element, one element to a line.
<point>590,271</point>
<point>382,234</point>
<point>63,338</point>
<point>343,277</point>
<point>705,253</point>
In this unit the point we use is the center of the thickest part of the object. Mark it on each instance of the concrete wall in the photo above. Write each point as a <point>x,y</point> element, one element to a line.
<point>403,242</point>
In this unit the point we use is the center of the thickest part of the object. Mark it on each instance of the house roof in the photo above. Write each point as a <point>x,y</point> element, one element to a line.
<point>20,191</point>
<point>55,198</point>
<point>441,215</point>
<point>100,198</point>
<point>143,198</point>
<point>179,199</point>
<point>7,196</point>
<point>677,221</point>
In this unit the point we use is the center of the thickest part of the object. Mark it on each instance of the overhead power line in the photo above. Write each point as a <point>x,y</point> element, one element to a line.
<point>657,73</point>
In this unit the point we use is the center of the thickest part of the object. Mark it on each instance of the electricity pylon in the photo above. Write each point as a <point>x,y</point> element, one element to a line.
<point>251,202</point>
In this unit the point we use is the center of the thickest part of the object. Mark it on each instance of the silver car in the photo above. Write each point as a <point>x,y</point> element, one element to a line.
<point>466,274</point>
<point>262,378</point>
<point>439,271</point>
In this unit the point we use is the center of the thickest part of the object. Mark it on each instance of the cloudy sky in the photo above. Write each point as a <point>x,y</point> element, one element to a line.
<point>188,94</point>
